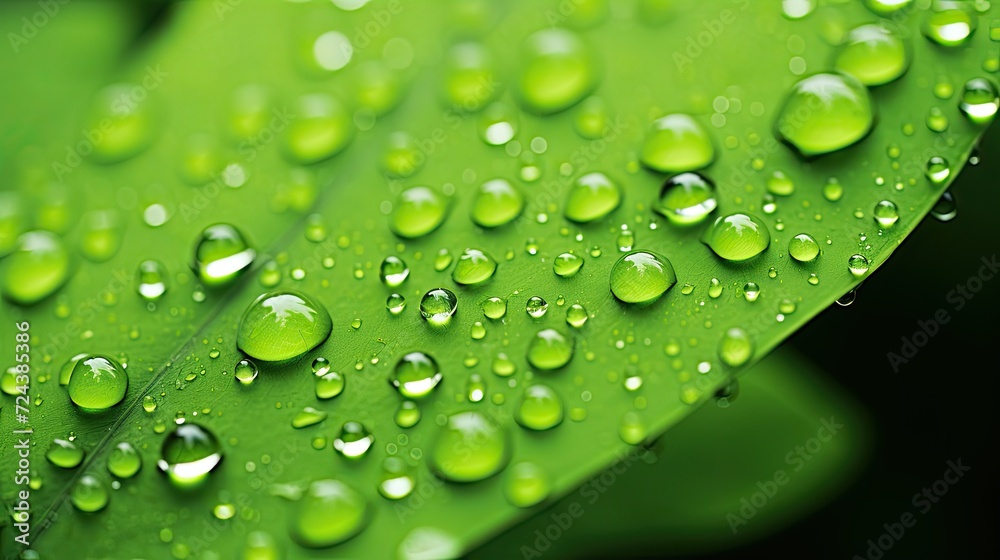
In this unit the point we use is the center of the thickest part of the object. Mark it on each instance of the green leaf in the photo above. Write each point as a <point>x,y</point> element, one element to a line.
<point>635,370</point>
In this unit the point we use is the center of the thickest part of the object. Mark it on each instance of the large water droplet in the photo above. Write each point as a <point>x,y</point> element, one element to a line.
<point>470,447</point>
<point>419,211</point>
<point>980,100</point>
<point>738,237</point>
<point>354,440</point>
<point>558,71</point>
<point>950,27</point>
<point>397,480</point>
<point>497,203</point>
<point>474,267</point>
<point>858,265</point>
<point>321,128</point>
<point>550,349</point>
<point>527,484</point>
<point>36,269</point>
<point>825,113</point>
<point>641,277</point>
<point>416,375</point>
<point>494,307</point>
<point>393,271</point>
<point>123,116</point>
<point>874,54</point>
<point>221,254</point>
<point>471,79</point>
<point>438,305</point>
<point>188,454</point>
<point>592,197</point>
<point>330,512</point>
<point>540,408</point>
<point>886,214</point>
<point>152,280</point>
<point>124,461</point>
<point>97,383</point>
<point>536,307</point>
<point>677,143</point>
<point>736,348</point>
<point>89,494</point>
<point>407,415</point>
<point>803,248</point>
<point>64,454</point>
<point>279,326</point>
<point>567,265</point>
<point>687,198</point>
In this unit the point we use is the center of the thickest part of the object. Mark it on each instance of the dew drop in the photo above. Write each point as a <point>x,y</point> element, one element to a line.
<point>738,237</point>
<point>221,254</point>
<point>124,461</point>
<point>886,214</point>
<point>98,382</point>
<point>858,265</point>
<point>736,348</point>
<point>152,280</point>
<point>329,513</point>
<point>89,494</point>
<point>474,267</point>
<point>419,211</point>
<point>497,203</point>
<point>536,307</point>
<point>540,408</point>
<point>839,113</point>
<point>38,267</point>
<point>416,375</point>
<point>188,454</point>
<point>470,447</point>
<point>874,54</point>
<point>980,100</point>
<point>592,197</point>
<point>322,127</point>
<point>550,349</point>
<point>576,316</point>
<point>280,326</point>
<point>641,277</point>
<point>677,143</point>
<point>687,198</point>
<point>438,305</point>
<point>354,440</point>
<point>526,484</point>
<point>558,71</point>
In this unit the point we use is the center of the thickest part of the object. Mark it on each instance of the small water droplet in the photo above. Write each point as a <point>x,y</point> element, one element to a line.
<point>245,371</point>
<point>354,440</point>
<point>438,305</point>
<point>188,454</point>
<point>858,265</point>
<point>536,307</point>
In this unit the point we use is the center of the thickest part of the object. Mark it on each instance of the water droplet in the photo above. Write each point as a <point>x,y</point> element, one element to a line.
<point>885,213</point>
<point>407,415</point>
<point>393,271</point>
<point>887,7</point>
<point>321,128</point>
<point>592,119</point>
<point>329,385</point>
<point>950,27</point>
<point>557,72</point>
<point>536,307</point>
<point>475,388</point>
<point>89,494</point>
<point>751,291</point>
<point>833,190</point>
<point>550,349</point>
<point>858,265</point>
<point>438,305</point>
<point>124,461</point>
<point>101,235</point>
<point>354,440</point>
<point>567,265</point>
<point>402,156</point>
<point>149,403</point>
<point>188,454</point>
<point>442,260</point>
<point>125,120</point>
<point>641,277</point>
<point>936,120</point>
<point>152,282</point>
<point>36,269</point>
<point>677,143</point>
<point>632,430</point>
<point>221,254</point>
<point>495,308</point>
<point>395,303</point>
<point>474,267</point>
<point>497,203</point>
<point>687,198</point>
<point>540,408</point>
<point>97,383</point>
<point>780,184</point>
<point>416,375</point>
<point>980,100</point>
<point>874,54</point>
<point>470,76</point>
<point>329,513</point>
<point>938,170</point>
<point>419,211</point>
<point>526,484</point>
<point>625,239</point>
<point>714,288</point>
<point>592,197</point>
<point>64,454</point>
<point>945,209</point>
<point>478,331</point>
<point>397,480</point>
<point>308,416</point>
<point>498,124</point>
<point>279,326</point>
<point>838,112</point>
<point>470,447</point>
<point>803,248</point>
<point>576,315</point>
<point>736,348</point>
<point>738,237</point>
